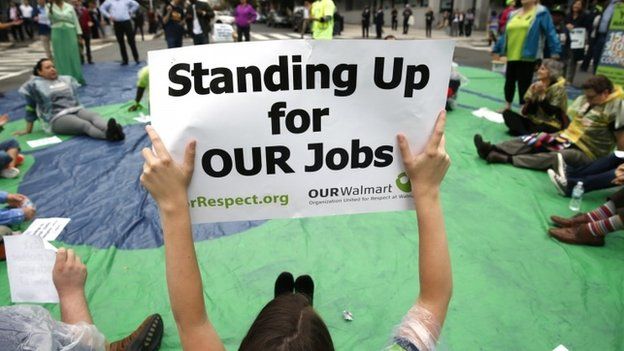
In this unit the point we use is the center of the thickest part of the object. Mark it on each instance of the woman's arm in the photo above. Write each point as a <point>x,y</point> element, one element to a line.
<point>426,171</point>
<point>168,181</point>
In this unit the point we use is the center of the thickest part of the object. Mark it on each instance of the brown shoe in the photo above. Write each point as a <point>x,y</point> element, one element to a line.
<point>146,337</point>
<point>578,219</point>
<point>579,235</point>
<point>497,157</point>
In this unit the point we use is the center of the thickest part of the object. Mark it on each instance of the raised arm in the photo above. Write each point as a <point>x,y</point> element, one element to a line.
<point>69,275</point>
<point>426,171</point>
<point>168,181</point>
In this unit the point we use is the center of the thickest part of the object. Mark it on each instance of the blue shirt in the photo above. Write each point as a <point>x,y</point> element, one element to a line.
<point>10,216</point>
<point>119,10</point>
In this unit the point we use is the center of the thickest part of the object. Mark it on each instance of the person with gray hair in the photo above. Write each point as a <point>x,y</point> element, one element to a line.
<point>545,105</point>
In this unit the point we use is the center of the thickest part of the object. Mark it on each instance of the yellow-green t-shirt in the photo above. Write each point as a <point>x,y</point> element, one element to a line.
<point>143,78</point>
<point>323,8</point>
<point>516,31</point>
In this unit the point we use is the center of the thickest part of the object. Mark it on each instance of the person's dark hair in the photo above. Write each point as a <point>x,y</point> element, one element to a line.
<point>599,84</point>
<point>38,66</point>
<point>288,323</point>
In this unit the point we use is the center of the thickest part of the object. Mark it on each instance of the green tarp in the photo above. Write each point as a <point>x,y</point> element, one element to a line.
<point>514,287</point>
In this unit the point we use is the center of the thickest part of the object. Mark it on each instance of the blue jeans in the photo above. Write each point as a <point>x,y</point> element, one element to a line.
<point>174,40</point>
<point>595,175</point>
<point>6,145</point>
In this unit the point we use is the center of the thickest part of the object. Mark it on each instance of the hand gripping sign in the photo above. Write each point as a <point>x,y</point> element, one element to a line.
<point>298,128</point>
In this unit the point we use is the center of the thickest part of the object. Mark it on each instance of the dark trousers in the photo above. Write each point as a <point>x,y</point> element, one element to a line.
<point>138,26</point>
<point>520,72</point>
<point>17,31</point>
<point>365,26</point>
<point>243,31</point>
<point>599,44</point>
<point>174,40</point>
<point>428,26</point>
<point>121,29</point>
<point>378,30</point>
<point>525,156</point>
<point>395,23</point>
<point>86,37</point>
<point>520,125</point>
<point>200,39</point>
<point>405,25</point>
<point>29,26</point>
<point>469,29</point>
<point>596,175</point>
<point>461,28</point>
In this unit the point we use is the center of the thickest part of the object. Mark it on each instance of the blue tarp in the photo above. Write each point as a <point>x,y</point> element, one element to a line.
<point>107,83</point>
<point>96,184</point>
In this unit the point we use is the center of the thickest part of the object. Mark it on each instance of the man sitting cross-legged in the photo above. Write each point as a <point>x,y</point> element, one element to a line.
<point>597,123</point>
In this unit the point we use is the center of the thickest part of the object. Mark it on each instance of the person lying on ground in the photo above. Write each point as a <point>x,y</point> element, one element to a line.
<point>142,85</point>
<point>10,157</point>
<point>591,228</point>
<point>597,125</point>
<point>54,99</point>
<point>31,327</point>
<point>603,173</point>
<point>545,103</point>
<point>277,327</point>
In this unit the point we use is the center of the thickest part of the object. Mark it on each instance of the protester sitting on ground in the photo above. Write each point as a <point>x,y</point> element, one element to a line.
<point>546,102</point>
<point>31,327</point>
<point>142,85</point>
<point>19,209</point>
<point>528,30</point>
<point>591,228</point>
<point>289,321</point>
<point>597,122</point>
<point>54,99</point>
<point>603,173</point>
<point>10,158</point>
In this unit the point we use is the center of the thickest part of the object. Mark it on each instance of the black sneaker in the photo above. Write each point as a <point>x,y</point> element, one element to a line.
<point>111,129</point>
<point>120,133</point>
<point>284,284</point>
<point>305,285</point>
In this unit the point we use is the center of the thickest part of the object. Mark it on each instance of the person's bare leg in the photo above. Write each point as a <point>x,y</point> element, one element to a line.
<point>13,153</point>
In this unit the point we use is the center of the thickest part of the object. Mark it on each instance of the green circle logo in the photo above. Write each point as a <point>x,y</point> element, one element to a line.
<point>403,182</point>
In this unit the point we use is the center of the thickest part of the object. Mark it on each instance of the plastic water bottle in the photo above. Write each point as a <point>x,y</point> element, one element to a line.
<point>577,197</point>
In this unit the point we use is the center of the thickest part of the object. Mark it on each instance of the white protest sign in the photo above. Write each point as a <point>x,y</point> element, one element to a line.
<point>47,228</point>
<point>222,33</point>
<point>29,267</point>
<point>298,128</point>
<point>577,38</point>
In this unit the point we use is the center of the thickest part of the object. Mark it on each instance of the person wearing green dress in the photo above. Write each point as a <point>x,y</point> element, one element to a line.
<point>66,33</point>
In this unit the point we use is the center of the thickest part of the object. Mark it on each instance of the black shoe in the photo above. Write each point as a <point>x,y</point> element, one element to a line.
<point>284,284</point>
<point>90,62</point>
<point>114,131</point>
<point>305,285</point>
<point>111,127</point>
<point>124,63</point>
<point>483,147</point>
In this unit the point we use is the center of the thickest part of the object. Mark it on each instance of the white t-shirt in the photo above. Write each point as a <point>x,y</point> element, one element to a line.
<point>196,27</point>
<point>27,11</point>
